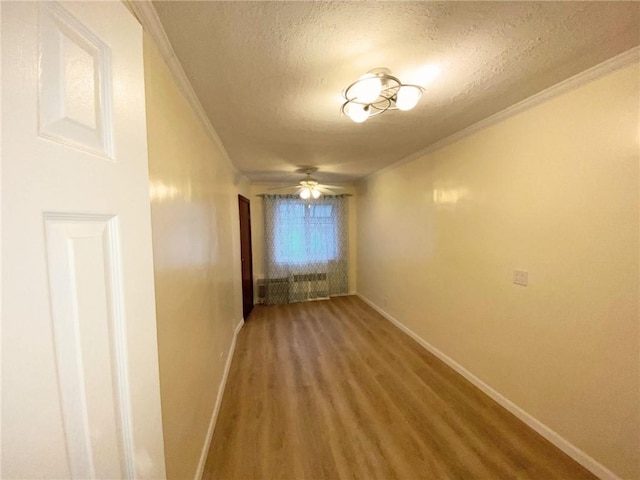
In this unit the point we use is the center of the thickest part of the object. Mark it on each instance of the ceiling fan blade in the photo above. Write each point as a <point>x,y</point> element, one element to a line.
<point>324,189</point>
<point>333,187</point>
<point>283,188</point>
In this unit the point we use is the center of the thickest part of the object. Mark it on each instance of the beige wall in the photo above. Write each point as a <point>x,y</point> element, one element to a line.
<point>197,268</point>
<point>257,232</point>
<point>553,191</point>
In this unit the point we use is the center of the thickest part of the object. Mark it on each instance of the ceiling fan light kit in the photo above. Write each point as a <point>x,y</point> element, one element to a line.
<point>376,92</point>
<point>309,189</point>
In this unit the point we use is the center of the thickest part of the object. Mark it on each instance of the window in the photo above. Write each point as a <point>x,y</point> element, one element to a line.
<point>305,248</point>
<point>305,233</point>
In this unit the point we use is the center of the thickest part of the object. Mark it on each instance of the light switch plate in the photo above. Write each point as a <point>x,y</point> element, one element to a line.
<point>520,277</point>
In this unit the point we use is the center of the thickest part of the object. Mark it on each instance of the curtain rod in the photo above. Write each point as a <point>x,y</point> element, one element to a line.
<point>294,195</point>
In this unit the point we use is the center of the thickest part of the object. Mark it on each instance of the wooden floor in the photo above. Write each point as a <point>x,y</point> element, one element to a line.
<point>330,389</point>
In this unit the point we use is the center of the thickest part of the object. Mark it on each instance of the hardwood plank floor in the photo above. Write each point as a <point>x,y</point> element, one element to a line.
<point>330,389</point>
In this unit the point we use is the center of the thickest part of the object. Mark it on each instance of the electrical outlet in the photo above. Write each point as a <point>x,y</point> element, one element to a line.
<point>221,355</point>
<point>520,277</point>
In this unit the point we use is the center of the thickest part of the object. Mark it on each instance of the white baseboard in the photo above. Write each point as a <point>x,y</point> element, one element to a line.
<point>563,444</point>
<point>349,293</point>
<point>216,408</point>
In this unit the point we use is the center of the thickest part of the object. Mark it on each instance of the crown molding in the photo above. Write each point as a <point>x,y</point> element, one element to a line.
<point>608,66</point>
<point>146,14</point>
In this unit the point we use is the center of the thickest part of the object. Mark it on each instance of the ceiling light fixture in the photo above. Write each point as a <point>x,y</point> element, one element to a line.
<point>376,92</point>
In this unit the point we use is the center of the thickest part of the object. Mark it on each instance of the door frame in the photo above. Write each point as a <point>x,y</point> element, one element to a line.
<point>246,255</point>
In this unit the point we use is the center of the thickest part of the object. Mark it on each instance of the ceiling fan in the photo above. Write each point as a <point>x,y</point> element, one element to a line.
<point>309,187</point>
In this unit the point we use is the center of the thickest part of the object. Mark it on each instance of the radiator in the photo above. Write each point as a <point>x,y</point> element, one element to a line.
<point>295,288</point>
<point>277,290</point>
<point>308,285</point>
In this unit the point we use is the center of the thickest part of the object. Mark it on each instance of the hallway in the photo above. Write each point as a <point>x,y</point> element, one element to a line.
<point>330,389</point>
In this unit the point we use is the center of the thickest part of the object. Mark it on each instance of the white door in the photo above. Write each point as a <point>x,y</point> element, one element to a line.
<point>80,387</point>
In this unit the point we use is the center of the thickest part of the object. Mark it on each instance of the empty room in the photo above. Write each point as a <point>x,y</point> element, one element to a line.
<point>312,240</point>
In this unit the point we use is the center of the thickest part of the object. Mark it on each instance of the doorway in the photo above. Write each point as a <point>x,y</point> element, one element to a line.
<point>246,256</point>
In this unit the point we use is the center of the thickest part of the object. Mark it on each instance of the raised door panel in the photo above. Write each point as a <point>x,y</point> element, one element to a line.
<point>75,83</point>
<point>85,278</point>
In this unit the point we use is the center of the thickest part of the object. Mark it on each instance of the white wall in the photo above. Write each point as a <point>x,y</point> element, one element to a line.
<point>553,191</point>
<point>196,252</point>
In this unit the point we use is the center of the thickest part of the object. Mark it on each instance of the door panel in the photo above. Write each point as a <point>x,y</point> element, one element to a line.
<point>79,347</point>
<point>84,275</point>
<point>75,90</point>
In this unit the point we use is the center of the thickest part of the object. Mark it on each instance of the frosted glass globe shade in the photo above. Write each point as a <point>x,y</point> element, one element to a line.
<point>367,89</point>
<point>408,97</point>
<point>356,112</point>
<point>305,193</point>
<point>315,193</point>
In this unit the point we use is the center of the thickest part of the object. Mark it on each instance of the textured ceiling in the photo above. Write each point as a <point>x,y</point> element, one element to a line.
<point>269,74</point>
